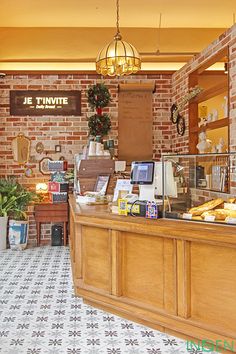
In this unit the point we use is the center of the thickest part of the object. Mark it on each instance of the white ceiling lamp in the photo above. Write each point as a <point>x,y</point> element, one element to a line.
<point>118,58</point>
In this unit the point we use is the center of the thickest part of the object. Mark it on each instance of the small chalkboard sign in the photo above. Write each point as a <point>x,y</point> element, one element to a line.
<point>40,103</point>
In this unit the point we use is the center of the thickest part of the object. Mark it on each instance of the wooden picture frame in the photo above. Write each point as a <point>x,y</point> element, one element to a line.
<point>21,148</point>
<point>43,166</point>
<point>180,125</point>
<point>57,148</point>
<point>102,183</point>
<point>172,110</point>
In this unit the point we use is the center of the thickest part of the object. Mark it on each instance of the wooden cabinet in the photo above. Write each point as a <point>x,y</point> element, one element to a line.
<point>175,276</point>
<point>209,110</point>
<point>47,213</point>
<point>88,170</point>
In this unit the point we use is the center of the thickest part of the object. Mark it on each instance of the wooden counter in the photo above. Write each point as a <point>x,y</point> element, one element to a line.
<point>176,276</point>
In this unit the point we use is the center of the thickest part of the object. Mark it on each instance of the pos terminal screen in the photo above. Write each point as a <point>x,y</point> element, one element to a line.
<point>142,172</point>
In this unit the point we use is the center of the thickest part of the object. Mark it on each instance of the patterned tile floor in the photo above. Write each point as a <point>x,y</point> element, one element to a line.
<point>39,313</point>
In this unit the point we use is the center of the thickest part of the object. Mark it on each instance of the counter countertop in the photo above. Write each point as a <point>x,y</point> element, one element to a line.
<point>186,229</point>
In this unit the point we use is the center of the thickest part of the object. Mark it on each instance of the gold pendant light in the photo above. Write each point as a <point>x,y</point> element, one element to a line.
<point>118,57</point>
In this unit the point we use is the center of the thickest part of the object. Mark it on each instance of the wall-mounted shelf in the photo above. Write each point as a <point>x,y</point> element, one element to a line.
<point>211,103</point>
<point>220,123</point>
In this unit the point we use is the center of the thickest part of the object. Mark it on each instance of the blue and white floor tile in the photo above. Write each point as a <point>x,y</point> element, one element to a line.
<point>39,313</point>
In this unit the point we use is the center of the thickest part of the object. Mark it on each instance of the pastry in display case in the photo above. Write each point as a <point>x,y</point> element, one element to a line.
<point>208,190</point>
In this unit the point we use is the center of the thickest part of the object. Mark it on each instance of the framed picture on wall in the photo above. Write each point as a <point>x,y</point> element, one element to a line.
<point>43,166</point>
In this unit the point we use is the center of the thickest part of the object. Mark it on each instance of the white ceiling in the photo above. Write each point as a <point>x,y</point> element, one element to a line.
<point>102,13</point>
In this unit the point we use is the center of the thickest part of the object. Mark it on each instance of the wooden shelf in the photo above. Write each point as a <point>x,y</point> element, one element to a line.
<point>211,92</point>
<point>213,86</point>
<point>220,123</point>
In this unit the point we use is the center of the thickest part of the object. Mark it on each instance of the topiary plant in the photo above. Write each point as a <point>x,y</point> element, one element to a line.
<point>98,96</point>
<point>99,124</point>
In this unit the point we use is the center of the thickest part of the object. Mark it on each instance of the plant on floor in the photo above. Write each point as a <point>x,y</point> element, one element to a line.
<point>14,200</point>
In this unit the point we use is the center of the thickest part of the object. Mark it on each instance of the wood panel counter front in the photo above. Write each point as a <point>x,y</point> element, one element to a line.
<point>176,276</point>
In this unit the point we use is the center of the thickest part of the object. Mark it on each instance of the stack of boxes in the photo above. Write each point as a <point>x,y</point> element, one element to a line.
<point>58,187</point>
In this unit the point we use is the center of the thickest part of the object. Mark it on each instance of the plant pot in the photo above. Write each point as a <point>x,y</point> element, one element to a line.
<point>3,232</point>
<point>18,234</point>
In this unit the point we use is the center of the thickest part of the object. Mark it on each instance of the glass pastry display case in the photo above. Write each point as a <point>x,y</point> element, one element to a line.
<point>206,188</point>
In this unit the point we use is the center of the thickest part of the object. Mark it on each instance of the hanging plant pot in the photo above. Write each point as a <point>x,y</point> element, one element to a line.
<point>18,234</point>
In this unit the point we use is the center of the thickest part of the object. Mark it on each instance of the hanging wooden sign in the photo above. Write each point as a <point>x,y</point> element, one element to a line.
<point>40,103</point>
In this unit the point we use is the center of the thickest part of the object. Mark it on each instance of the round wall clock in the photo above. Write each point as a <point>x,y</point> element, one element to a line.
<point>180,125</point>
<point>172,115</point>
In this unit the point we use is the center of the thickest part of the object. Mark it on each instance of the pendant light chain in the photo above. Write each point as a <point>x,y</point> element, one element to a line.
<point>117,17</point>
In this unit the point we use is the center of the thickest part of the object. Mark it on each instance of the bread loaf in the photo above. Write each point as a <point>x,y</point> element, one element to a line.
<point>220,214</point>
<point>205,207</point>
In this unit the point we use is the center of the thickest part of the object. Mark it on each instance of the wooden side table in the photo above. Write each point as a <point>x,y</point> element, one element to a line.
<point>47,213</point>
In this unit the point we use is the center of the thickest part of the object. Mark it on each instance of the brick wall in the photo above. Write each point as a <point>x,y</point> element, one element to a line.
<point>180,86</point>
<point>70,132</point>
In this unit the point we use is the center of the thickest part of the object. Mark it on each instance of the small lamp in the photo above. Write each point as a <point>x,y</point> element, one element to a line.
<point>42,192</point>
<point>41,188</point>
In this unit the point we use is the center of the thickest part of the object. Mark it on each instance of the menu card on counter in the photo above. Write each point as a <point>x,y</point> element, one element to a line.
<point>122,185</point>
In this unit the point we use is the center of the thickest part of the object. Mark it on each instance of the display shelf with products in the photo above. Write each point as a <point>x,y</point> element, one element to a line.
<point>220,123</point>
<point>209,183</point>
<point>209,112</point>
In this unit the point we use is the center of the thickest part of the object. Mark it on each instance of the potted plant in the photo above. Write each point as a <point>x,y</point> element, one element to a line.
<point>14,200</point>
<point>7,204</point>
<point>18,218</point>
<point>99,97</point>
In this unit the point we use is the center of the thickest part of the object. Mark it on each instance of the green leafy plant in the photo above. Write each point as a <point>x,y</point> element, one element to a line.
<point>99,124</point>
<point>14,199</point>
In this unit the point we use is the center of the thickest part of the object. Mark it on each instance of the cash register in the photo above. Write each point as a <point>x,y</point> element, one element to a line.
<point>148,175</point>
